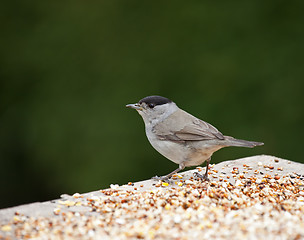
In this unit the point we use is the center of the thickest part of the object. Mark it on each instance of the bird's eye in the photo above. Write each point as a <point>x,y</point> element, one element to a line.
<point>151,105</point>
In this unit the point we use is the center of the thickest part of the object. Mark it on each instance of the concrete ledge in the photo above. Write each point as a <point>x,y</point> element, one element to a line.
<point>181,208</point>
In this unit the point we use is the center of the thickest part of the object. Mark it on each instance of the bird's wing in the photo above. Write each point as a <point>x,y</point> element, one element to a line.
<point>181,127</point>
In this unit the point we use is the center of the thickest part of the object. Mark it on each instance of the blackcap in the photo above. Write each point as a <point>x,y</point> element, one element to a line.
<point>181,137</point>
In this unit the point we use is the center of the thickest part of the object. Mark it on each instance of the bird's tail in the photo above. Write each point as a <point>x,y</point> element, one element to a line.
<point>241,143</point>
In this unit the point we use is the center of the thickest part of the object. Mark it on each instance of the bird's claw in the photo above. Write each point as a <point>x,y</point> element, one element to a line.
<point>162,178</point>
<point>203,177</point>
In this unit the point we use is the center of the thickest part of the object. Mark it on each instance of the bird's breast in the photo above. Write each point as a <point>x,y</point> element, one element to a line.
<point>174,151</point>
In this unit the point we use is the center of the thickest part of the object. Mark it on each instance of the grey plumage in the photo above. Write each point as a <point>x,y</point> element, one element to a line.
<point>181,137</point>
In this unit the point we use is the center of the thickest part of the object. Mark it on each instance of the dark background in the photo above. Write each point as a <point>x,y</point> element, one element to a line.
<point>68,68</point>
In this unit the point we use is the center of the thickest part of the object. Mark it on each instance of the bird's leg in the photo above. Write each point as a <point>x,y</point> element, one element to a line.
<point>205,176</point>
<point>166,177</point>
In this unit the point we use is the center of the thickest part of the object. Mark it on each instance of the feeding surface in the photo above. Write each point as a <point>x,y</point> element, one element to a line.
<point>242,200</point>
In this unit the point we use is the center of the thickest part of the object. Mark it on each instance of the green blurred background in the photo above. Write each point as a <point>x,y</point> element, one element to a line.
<point>68,68</point>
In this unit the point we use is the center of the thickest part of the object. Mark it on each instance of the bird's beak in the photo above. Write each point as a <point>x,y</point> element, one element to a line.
<point>135,106</point>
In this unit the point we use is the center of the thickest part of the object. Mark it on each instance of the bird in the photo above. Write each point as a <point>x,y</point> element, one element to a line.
<point>181,137</point>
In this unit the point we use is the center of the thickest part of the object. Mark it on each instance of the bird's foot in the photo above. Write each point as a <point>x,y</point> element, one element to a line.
<point>203,177</point>
<point>162,178</point>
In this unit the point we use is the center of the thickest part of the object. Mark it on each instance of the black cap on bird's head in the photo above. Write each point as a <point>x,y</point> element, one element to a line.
<point>154,100</point>
<point>150,101</point>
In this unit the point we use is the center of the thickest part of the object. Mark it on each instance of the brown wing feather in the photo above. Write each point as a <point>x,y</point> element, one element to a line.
<point>181,127</point>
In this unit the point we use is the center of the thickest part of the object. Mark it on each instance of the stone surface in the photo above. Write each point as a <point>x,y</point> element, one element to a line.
<point>259,165</point>
<point>46,208</point>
